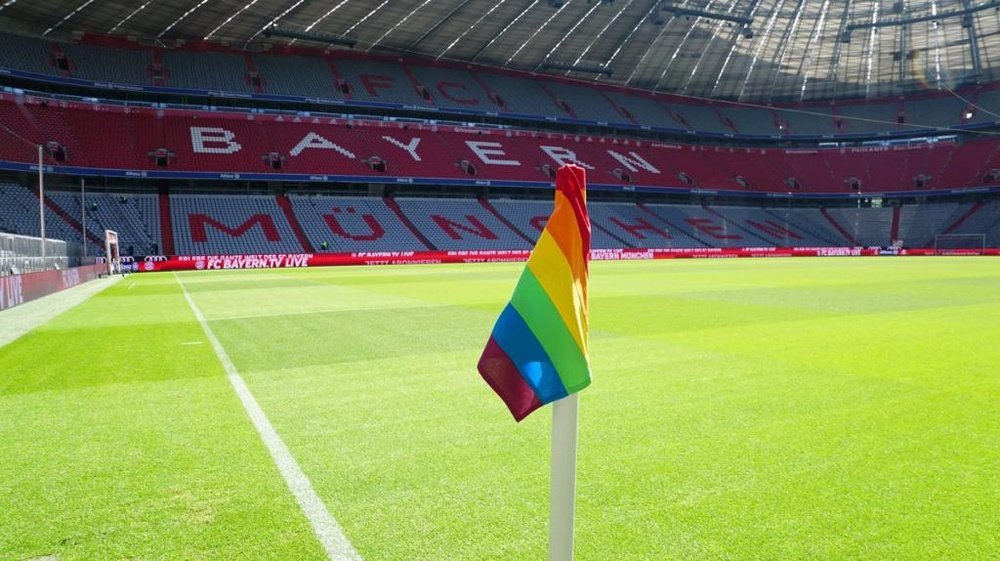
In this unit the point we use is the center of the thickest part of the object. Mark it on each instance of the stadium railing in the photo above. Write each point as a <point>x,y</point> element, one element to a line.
<point>23,254</point>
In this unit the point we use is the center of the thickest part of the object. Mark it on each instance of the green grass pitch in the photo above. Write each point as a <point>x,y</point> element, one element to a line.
<point>741,409</point>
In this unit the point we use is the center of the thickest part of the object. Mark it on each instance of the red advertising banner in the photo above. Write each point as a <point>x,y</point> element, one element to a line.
<point>18,289</point>
<point>298,260</point>
<point>995,251</point>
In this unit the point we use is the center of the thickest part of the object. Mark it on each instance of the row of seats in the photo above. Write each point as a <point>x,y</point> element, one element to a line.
<point>135,217</point>
<point>229,224</point>
<point>345,76</point>
<point>204,224</point>
<point>94,135</point>
<point>19,214</point>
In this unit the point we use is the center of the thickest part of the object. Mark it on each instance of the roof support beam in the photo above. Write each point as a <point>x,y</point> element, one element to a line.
<point>625,41</point>
<point>503,30</point>
<point>681,11</point>
<point>836,60</point>
<point>806,62</point>
<point>929,17</point>
<point>583,68</point>
<point>604,29</point>
<point>903,52</point>
<point>323,38</point>
<point>970,28</point>
<point>435,27</point>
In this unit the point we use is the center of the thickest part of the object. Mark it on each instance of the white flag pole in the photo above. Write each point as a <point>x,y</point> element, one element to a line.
<point>564,431</point>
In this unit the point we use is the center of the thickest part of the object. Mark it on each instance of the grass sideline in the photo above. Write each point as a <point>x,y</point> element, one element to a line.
<point>742,409</point>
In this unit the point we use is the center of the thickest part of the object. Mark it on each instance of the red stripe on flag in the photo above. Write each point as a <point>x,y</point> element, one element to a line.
<point>500,373</point>
<point>571,181</point>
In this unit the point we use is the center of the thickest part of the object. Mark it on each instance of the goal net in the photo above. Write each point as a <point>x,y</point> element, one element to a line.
<point>111,252</point>
<point>963,243</point>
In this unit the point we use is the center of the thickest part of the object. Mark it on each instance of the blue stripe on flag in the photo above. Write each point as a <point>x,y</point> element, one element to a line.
<point>524,350</point>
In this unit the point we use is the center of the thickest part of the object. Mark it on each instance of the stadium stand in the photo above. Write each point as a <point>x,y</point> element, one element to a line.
<point>91,129</point>
<point>810,121</point>
<point>20,135</point>
<point>639,226</point>
<point>931,112</point>
<point>226,72</point>
<point>296,76</point>
<point>416,83</point>
<point>519,95</point>
<point>984,219</point>
<point>697,117</point>
<point>131,66</point>
<point>747,121</point>
<point>18,210</point>
<point>867,226</point>
<point>643,109</point>
<point>26,53</point>
<point>76,134</point>
<point>456,224</point>
<point>19,215</point>
<point>989,100</point>
<point>135,217</point>
<point>810,222</point>
<point>380,82</point>
<point>869,118</point>
<point>583,102</point>
<point>351,224</point>
<point>452,87</point>
<point>207,224</point>
<point>770,227</point>
<point>528,217</point>
<point>239,224</point>
<point>918,224</point>
<point>84,135</point>
<point>710,229</point>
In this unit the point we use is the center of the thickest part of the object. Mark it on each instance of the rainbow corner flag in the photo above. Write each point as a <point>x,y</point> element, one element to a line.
<point>539,349</point>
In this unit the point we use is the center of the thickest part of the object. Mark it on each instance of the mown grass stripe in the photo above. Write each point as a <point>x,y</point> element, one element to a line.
<point>326,528</point>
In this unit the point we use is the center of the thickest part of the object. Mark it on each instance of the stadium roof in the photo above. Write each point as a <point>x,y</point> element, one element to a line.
<point>735,49</point>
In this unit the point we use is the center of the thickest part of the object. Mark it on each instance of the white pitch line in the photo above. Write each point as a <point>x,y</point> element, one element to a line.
<point>329,533</point>
<point>131,286</point>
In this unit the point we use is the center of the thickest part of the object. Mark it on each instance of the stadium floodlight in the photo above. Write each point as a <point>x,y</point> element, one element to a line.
<point>275,31</point>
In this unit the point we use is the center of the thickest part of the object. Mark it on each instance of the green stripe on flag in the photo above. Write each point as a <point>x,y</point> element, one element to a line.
<point>545,322</point>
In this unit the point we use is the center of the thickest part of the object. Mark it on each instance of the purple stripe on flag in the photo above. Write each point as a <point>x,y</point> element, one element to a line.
<point>502,375</point>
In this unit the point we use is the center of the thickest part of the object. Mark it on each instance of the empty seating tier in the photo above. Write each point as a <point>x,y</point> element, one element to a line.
<point>361,79</point>
<point>219,145</point>
<point>260,224</point>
